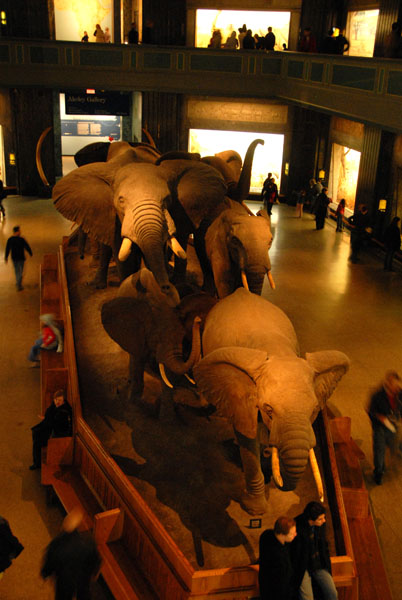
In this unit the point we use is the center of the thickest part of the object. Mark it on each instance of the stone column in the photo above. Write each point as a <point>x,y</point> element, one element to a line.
<point>365,192</point>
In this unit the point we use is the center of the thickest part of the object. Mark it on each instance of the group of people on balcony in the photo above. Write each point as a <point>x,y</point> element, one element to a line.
<point>245,40</point>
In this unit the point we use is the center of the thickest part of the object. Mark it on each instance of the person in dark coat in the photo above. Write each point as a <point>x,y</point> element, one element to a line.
<point>384,412</point>
<point>248,41</point>
<point>392,242</point>
<point>73,559</point>
<point>269,193</point>
<point>359,222</point>
<point>57,422</point>
<point>276,574</point>
<point>310,554</point>
<point>132,36</point>
<point>10,546</point>
<point>270,40</point>
<point>321,209</point>
<point>17,245</point>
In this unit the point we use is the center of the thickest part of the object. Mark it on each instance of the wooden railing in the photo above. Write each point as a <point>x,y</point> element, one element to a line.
<point>140,558</point>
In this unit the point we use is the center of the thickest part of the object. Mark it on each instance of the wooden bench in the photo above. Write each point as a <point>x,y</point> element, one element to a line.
<point>373,581</point>
<point>348,456</point>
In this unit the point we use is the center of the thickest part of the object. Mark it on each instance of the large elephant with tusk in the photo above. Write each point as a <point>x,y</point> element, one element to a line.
<point>250,367</point>
<point>237,246</point>
<point>137,207</point>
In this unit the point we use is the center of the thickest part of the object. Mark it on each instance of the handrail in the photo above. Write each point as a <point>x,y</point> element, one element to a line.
<point>366,89</point>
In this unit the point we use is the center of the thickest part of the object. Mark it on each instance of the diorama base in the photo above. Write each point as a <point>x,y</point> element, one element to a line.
<point>186,467</point>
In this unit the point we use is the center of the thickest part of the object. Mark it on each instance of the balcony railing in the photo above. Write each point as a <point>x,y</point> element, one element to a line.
<point>364,89</point>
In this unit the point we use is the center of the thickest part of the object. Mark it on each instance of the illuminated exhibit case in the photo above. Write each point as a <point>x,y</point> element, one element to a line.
<point>227,124</point>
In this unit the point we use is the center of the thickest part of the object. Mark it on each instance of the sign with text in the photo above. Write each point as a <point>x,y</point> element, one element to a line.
<point>100,103</point>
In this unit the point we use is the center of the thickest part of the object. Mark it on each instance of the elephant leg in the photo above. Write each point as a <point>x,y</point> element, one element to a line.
<point>253,499</point>
<point>199,247</point>
<point>137,366</point>
<point>100,280</point>
<point>82,240</point>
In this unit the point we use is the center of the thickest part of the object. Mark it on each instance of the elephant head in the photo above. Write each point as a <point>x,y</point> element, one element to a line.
<point>255,370</point>
<point>237,246</point>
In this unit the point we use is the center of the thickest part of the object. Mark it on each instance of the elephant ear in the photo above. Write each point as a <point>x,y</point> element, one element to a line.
<point>85,196</point>
<point>330,366</point>
<point>126,320</point>
<point>226,378</point>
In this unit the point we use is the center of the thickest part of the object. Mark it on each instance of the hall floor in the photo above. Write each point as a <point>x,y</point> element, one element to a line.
<point>332,304</point>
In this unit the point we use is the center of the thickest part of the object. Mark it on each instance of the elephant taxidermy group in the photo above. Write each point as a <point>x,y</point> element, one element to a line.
<point>250,371</point>
<point>137,201</point>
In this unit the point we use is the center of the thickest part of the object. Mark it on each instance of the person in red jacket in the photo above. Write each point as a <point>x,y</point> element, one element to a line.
<point>50,339</point>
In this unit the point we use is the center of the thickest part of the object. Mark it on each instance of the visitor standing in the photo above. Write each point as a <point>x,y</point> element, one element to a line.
<point>270,40</point>
<point>276,574</point>
<point>85,37</point>
<point>132,36</point>
<point>340,214</point>
<point>321,209</point>
<point>17,246</point>
<point>108,37</point>
<point>300,200</point>
<point>98,33</point>
<point>359,223</point>
<point>269,193</point>
<point>385,413</point>
<point>392,242</point>
<point>310,554</point>
<point>307,42</point>
<point>248,41</point>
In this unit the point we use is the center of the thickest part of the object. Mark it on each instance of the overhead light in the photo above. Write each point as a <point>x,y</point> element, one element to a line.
<point>90,91</point>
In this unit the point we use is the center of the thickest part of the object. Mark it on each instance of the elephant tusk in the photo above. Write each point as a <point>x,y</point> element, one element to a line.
<point>276,472</point>
<point>271,280</point>
<point>177,249</point>
<point>189,378</point>
<point>316,473</point>
<point>244,205</point>
<point>244,280</point>
<point>125,249</point>
<point>164,376</point>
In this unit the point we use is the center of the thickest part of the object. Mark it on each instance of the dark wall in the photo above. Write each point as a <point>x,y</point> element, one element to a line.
<point>162,116</point>
<point>169,20</point>
<point>32,114</point>
<point>321,15</point>
<point>309,147</point>
<point>28,18</point>
<point>389,13</point>
<point>6,120</point>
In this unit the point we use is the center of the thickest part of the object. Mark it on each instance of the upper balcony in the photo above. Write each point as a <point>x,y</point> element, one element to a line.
<point>363,89</point>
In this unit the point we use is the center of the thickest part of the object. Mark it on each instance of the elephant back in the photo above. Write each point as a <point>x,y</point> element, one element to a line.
<point>247,320</point>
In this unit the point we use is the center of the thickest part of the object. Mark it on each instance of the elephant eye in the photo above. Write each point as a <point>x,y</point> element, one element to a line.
<point>268,410</point>
<point>121,201</point>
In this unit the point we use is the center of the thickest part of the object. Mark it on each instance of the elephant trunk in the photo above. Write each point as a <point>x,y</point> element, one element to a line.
<point>173,357</point>
<point>240,192</point>
<point>293,441</point>
<point>255,280</point>
<point>145,225</point>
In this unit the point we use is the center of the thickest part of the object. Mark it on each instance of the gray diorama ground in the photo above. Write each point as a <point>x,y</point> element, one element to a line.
<point>186,468</point>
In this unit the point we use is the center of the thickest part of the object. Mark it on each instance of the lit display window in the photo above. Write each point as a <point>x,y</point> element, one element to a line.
<point>360,32</point>
<point>231,20</point>
<point>343,175</point>
<point>267,158</point>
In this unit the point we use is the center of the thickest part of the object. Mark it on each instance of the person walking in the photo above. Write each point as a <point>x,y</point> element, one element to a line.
<point>57,422</point>
<point>310,554</point>
<point>17,246</point>
<point>385,412</point>
<point>72,559</point>
<point>392,242</point>
<point>275,576</point>
<point>359,223</point>
<point>10,546</point>
<point>321,209</point>
<point>340,215</point>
